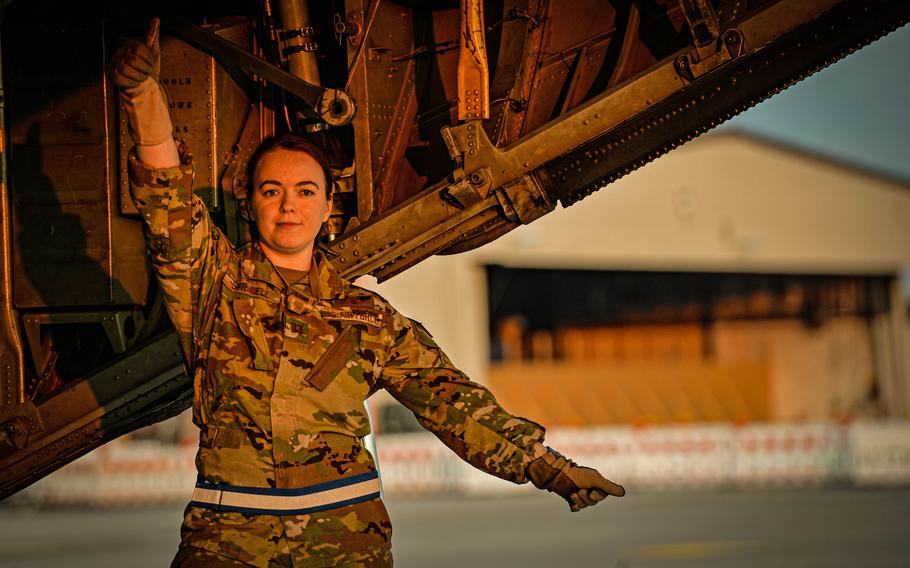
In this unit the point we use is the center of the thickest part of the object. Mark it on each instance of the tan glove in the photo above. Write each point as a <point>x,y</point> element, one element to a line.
<point>580,486</point>
<point>135,69</point>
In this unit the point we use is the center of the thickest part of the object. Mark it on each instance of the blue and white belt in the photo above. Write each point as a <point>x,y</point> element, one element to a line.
<point>299,501</point>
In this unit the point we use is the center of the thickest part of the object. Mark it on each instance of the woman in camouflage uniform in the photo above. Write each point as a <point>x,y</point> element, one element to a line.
<point>284,352</point>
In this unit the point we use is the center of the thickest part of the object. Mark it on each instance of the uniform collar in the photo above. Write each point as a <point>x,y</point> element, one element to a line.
<point>325,283</point>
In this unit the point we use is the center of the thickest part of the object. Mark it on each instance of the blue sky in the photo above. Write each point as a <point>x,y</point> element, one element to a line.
<point>856,111</point>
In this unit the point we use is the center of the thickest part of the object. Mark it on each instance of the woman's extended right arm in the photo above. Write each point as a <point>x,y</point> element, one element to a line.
<point>185,249</point>
<point>135,71</point>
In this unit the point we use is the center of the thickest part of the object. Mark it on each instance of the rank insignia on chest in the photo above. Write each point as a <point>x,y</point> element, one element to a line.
<point>295,328</point>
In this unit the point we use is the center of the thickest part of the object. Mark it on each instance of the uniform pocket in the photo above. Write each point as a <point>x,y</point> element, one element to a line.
<point>334,359</point>
<point>248,322</point>
<point>325,397</point>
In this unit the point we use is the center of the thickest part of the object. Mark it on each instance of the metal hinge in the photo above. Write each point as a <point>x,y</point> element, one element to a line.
<point>466,190</point>
<point>712,48</point>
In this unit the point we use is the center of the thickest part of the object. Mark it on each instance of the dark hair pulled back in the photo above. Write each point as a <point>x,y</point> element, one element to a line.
<point>294,143</point>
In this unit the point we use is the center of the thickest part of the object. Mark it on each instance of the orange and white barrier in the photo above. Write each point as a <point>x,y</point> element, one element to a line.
<point>879,453</point>
<point>690,456</point>
<point>121,473</point>
<point>131,473</point>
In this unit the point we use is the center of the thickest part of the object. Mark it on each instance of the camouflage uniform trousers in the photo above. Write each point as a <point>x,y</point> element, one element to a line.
<point>354,536</point>
<point>189,557</point>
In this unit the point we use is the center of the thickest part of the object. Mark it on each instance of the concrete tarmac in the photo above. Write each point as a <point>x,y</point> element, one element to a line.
<point>774,528</point>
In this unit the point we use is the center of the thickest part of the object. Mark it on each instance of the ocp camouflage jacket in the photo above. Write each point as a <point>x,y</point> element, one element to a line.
<point>281,372</point>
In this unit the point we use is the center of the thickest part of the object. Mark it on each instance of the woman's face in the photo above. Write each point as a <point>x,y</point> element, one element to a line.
<point>289,203</point>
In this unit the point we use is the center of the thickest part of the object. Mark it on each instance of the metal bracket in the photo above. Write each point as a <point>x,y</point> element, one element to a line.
<point>350,29</point>
<point>465,191</point>
<point>16,431</point>
<point>122,328</point>
<point>306,32</point>
<point>712,48</point>
<point>466,141</point>
<point>473,69</point>
<point>696,63</point>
